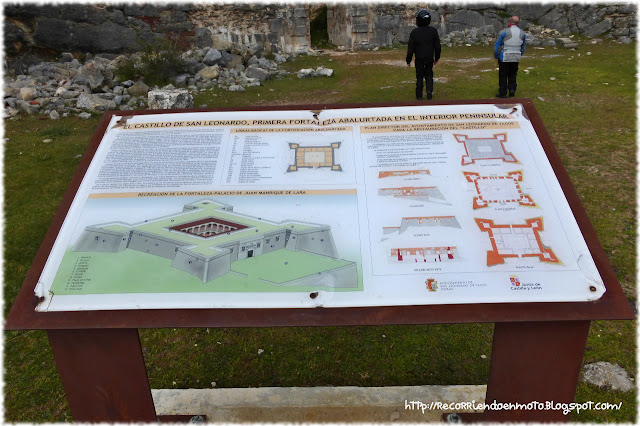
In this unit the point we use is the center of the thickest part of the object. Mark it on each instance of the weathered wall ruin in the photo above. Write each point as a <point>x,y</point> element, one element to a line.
<point>126,28</point>
<point>365,26</point>
<point>263,28</point>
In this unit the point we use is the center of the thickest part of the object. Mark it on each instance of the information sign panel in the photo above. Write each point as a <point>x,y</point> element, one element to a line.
<point>347,207</point>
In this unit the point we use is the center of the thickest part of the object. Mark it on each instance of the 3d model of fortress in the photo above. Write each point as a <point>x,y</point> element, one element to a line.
<point>207,236</point>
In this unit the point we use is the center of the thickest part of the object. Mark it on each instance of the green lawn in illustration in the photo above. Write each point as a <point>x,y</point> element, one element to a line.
<point>281,266</point>
<point>130,271</point>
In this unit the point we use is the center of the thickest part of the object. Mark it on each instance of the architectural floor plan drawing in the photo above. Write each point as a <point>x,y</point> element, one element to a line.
<point>313,157</point>
<point>485,149</point>
<point>423,254</point>
<point>498,189</point>
<point>424,193</point>
<point>208,236</point>
<point>390,173</point>
<point>516,241</point>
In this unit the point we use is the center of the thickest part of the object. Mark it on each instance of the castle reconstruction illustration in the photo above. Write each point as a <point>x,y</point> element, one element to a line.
<point>208,236</point>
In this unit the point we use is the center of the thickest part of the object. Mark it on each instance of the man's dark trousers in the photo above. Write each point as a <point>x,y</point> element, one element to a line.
<point>424,70</point>
<point>507,72</point>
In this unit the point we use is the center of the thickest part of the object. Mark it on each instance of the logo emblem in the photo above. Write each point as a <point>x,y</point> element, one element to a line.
<point>432,284</point>
<point>514,280</point>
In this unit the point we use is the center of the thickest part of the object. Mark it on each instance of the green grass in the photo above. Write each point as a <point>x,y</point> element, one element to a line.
<point>592,125</point>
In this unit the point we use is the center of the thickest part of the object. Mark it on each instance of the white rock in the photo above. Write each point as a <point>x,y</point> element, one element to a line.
<point>84,115</point>
<point>94,103</point>
<point>236,88</point>
<point>169,99</point>
<point>28,93</point>
<point>306,72</point>
<point>54,115</point>
<point>607,375</point>
<point>324,72</point>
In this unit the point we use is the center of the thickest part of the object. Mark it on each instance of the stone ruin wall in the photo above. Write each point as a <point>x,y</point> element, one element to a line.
<point>264,28</point>
<point>366,26</point>
<point>126,28</point>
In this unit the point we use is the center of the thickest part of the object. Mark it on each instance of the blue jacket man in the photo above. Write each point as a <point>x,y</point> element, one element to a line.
<point>508,50</point>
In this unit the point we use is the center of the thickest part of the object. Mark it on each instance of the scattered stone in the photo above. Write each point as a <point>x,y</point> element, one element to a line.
<point>66,57</point>
<point>552,78</point>
<point>90,74</point>
<point>28,93</point>
<point>254,71</point>
<point>324,72</point>
<point>138,89</point>
<point>24,106</point>
<point>94,103</point>
<point>169,99</point>
<point>566,42</point>
<point>47,141</point>
<point>607,375</point>
<point>279,58</point>
<point>212,57</point>
<point>181,80</point>
<point>540,98</point>
<point>306,72</point>
<point>209,73</point>
<point>260,351</point>
<point>54,115</point>
<point>84,115</point>
<point>236,88</point>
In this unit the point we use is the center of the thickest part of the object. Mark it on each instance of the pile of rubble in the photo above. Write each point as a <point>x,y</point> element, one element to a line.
<point>68,87</point>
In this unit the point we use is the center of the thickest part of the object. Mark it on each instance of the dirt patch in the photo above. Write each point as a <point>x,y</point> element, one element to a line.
<point>393,63</point>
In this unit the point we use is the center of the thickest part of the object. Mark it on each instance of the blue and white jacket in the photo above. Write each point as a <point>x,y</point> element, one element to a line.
<point>510,45</point>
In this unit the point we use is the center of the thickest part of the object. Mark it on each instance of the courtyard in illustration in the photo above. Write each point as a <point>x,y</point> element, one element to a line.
<point>498,189</point>
<point>485,149</point>
<point>516,241</point>
<point>314,157</point>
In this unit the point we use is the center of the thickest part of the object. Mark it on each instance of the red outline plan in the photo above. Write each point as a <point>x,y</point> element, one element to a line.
<point>505,242</point>
<point>494,144</point>
<point>483,199</point>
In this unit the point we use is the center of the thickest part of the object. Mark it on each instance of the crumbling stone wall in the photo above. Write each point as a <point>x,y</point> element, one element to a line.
<point>113,28</point>
<point>282,28</point>
<point>258,27</point>
<point>370,25</point>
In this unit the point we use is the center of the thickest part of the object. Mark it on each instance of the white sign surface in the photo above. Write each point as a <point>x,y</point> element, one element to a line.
<point>352,207</point>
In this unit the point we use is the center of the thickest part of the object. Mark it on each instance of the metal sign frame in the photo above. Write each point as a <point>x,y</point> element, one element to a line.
<point>101,386</point>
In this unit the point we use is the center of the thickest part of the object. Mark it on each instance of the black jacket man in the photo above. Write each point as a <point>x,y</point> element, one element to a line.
<point>424,42</point>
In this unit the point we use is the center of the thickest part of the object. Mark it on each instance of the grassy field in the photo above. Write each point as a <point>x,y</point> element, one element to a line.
<point>588,104</point>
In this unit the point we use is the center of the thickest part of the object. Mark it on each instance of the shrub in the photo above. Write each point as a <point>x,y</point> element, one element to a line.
<point>159,62</point>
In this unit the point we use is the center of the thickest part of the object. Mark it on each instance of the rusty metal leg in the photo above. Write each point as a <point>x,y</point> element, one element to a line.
<point>103,374</point>
<point>535,361</point>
